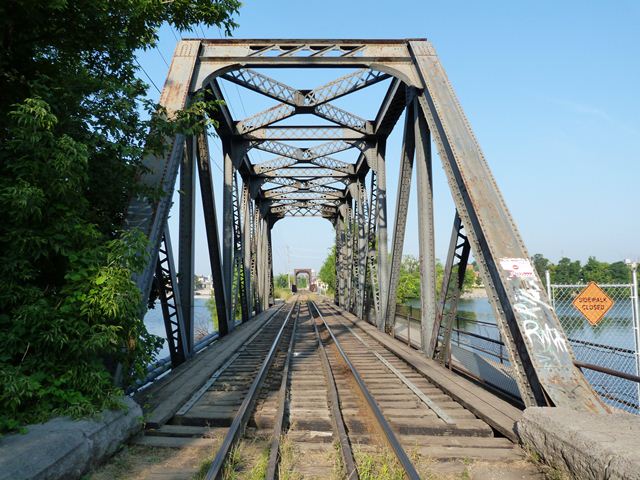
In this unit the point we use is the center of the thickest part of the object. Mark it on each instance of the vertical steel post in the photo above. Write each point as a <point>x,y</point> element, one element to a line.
<point>227,229</point>
<point>186,245</point>
<point>636,321</point>
<point>425,229</point>
<point>337,266</point>
<point>362,248</point>
<point>270,299</point>
<point>349,258</point>
<point>246,240</point>
<point>382,218</point>
<point>400,222</point>
<point>211,227</point>
<point>547,277</point>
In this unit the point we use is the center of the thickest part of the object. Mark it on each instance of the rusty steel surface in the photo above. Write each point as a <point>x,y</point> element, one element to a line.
<point>307,176</point>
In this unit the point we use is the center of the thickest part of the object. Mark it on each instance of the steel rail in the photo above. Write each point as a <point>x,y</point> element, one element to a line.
<point>336,415</point>
<point>408,383</point>
<point>214,377</point>
<point>391,438</point>
<point>242,417</point>
<point>274,454</point>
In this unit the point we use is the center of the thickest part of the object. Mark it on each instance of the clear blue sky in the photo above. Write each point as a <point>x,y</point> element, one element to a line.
<point>552,91</point>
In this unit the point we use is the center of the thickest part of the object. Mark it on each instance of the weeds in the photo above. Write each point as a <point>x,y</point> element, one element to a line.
<point>287,460</point>
<point>378,466</point>
<point>550,472</point>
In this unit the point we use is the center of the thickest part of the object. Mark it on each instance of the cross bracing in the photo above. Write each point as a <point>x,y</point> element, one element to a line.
<point>308,174</point>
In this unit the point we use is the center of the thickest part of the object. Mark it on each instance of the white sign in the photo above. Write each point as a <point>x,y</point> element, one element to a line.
<point>517,267</point>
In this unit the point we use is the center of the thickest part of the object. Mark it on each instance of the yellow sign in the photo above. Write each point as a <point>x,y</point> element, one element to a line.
<point>593,303</point>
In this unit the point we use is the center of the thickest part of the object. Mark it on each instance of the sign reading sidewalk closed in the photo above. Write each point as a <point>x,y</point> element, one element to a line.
<point>593,303</point>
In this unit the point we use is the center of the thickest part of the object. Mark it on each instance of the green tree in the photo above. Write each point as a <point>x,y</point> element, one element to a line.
<point>281,280</point>
<point>596,271</point>
<point>408,280</point>
<point>327,272</point>
<point>541,264</point>
<point>72,136</point>
<point>620,273</point>
<point>567,272</point>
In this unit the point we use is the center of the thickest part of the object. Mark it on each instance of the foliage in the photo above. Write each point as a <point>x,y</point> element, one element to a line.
<point>328,271</point>
<point>282,293</point>
<point>569,272</point>
<point>72,137</point>
<point>213,310</point>
<point>409,280</point>
<point>302,281</point>
<point>281,280</point>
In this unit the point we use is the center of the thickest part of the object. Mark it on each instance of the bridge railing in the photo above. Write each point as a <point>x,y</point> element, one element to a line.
<point>601,353</point>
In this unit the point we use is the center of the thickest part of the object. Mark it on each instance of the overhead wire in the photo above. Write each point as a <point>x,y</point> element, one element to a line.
<point>147,75</point>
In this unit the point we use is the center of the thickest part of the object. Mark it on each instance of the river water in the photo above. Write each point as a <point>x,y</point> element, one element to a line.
<point>203,322</point>
<point>609,344</point>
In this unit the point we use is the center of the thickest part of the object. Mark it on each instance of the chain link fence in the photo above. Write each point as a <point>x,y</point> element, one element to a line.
<point>610,344</point>
<point>606,352</point>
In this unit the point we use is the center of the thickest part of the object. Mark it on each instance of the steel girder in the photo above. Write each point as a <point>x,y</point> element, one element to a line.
<point>452,282</point>
<point>239,279</point>
<point>542,357</point>
<point>172,313</point>
<point>402,207</point>
<point>213,237</point>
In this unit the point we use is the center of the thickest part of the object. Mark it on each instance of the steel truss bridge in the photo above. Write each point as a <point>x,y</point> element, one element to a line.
<point>310,180</point>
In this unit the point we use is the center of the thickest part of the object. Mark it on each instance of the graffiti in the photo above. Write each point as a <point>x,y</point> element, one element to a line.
<point>547,336</point>
<point>533,308</point>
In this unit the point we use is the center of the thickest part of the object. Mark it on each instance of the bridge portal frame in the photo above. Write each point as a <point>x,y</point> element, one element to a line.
<point>541,356</point>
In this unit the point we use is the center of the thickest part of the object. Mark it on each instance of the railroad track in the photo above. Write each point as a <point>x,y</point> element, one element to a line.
<point>310,378</point>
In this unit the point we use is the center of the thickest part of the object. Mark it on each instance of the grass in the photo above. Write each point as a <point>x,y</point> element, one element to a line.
<point>283,293</point>
<point>379,465</point>
<point>550,472</point>
<point>244,462</point>
<point>287,460</point>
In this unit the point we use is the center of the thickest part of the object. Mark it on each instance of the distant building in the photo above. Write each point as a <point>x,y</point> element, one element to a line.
<point>203,285</point>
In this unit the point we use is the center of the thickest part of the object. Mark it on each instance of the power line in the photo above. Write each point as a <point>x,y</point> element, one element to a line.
<point>148,76</point>
<point>173,32</point>
<point>162,56</point>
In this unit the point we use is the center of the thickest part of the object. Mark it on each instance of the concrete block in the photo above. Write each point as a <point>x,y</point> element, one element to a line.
<point>63,448</point>
<point>587,445</point>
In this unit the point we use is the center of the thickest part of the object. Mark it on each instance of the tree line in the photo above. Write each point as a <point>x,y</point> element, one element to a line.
<point>409,278</point>
<point>572,272</point>
<point>566,271</point>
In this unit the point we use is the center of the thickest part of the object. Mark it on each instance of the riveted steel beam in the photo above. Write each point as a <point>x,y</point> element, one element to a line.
<point>402,208</point>
<point>187,211</point>
<point>426,238</point>
<point>543,363</point>
<point>211,228</point>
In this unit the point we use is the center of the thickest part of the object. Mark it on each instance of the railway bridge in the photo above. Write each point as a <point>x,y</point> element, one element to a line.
<point>326,376</point>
